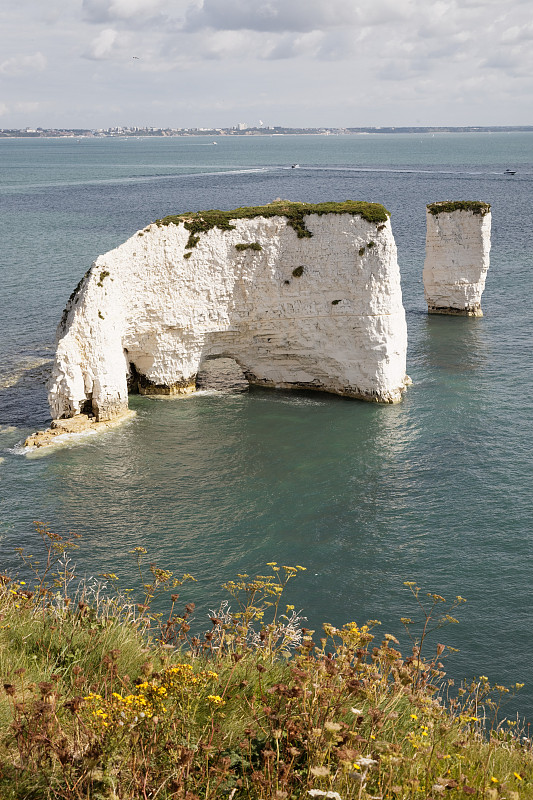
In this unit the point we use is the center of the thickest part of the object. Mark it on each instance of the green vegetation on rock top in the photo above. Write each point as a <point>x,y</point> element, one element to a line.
<point>447,206</point>
<point>202,221</point>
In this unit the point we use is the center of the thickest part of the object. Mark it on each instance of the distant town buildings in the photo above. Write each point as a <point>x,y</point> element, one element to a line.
<point>241,129</point>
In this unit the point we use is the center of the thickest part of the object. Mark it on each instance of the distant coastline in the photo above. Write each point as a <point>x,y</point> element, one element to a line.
<point>135,132</point>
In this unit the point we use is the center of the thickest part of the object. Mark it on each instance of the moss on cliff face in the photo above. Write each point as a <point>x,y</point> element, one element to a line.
<point>447,206</point>
<point>295,213</point>
<point>250,246</point>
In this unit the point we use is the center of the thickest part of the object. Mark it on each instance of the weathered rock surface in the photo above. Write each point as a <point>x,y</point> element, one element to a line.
<point>457,257</point>
<point>221,375</point>
<point>323,311</point>
<point>61,428</point>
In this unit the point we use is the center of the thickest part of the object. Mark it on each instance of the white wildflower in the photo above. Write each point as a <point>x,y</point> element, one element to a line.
<point>357,712</point>
<point>366,762</point>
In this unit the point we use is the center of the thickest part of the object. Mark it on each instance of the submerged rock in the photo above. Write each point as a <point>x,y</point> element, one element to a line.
<point>300,296</point>
<point>457,256</point>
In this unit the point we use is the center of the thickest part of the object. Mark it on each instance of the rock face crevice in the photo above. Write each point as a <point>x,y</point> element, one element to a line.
<point>323,312</point>
<point>457,257</point>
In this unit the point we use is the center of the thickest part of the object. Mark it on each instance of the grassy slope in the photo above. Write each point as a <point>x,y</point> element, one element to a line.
<point>105,700</point>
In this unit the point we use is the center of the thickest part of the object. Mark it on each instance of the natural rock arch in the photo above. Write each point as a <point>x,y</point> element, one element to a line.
<point>299,295</point>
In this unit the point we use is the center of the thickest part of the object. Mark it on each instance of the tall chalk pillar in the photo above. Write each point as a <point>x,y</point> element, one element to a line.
<point>457,256</point>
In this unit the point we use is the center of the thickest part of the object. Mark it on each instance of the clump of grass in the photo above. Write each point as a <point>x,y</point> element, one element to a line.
<point>295,213</point>
<point>298,272</point>
<point>104,698</point>
<point>448,206</point>
<point>246,246</point>
<point>103,275</point>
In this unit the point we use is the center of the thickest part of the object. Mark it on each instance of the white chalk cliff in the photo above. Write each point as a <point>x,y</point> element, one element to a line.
<point>457,256</point>
<point>323,311</point>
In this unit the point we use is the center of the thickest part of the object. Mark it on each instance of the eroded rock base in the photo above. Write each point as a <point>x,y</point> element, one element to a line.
<point>81,423</point>
<point>221,375</point>
<point>473,311</point>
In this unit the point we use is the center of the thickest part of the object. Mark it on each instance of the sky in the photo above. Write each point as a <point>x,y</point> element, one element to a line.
<point>308,63</point>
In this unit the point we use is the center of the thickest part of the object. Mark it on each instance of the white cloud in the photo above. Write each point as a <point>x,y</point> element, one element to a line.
<point>23,65</point>
<point>302,62</point>
<point>135,13</point>
<point>515,34</point>
<point>252,45</point>
<point>304,45</point>
<point>102,46</point>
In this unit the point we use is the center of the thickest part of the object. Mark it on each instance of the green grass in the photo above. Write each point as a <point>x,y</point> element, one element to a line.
<point>295,213</point>
<point>448,206</point>
<point>103,275</point>
<point>105,699</point>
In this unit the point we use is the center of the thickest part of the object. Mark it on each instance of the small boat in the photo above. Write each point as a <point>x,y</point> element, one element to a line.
<point>510,172</point>
<point>295,166</point>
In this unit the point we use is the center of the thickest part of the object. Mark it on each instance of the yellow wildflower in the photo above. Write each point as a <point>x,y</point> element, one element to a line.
<point>215,699</point>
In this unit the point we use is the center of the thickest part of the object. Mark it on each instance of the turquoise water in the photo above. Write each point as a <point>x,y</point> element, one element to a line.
<point>436,490</point>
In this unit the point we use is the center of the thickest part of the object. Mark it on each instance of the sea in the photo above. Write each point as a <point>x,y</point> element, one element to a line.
<point>435,490</point>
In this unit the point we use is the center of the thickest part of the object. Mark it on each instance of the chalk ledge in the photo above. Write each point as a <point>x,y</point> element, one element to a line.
<point>60,429</point>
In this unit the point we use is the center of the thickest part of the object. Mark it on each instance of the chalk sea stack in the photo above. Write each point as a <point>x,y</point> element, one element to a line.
<point>298,295</point>
<point>457,256</point>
